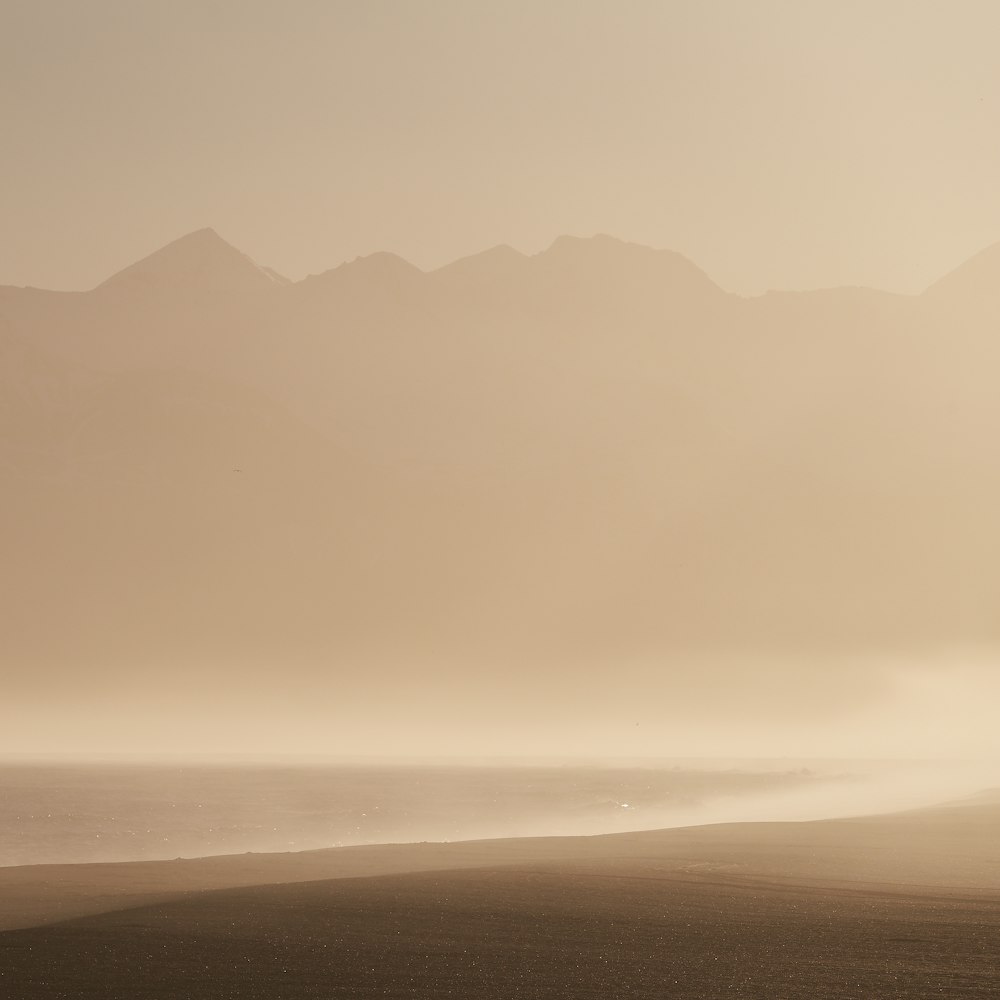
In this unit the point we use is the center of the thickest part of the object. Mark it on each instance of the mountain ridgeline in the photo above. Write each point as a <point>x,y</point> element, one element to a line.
<point>593,453</point>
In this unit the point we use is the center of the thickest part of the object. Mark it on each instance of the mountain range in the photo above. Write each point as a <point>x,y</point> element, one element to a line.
<point>590,455</point>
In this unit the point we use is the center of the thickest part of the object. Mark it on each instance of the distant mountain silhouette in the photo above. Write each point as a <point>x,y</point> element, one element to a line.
<point>592,452</point>
<point>613,259</point>
<point>376,267</point>
<point>200,261</point>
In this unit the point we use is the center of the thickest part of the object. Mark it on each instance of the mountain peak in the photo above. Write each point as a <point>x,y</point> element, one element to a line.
<point>206,236</point>
<point>201,260</point>
<point>382,262</point>
<point>380,268</point>
<point>612,259</point>
<point>599,241</point>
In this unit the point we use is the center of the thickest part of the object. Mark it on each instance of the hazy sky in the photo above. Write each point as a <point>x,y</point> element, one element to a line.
<point>778,143</point>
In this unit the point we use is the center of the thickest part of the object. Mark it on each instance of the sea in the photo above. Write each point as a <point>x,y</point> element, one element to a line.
<point>55,812</point>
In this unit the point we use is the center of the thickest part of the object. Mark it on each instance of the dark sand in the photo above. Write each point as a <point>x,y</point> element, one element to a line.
<point>905,906</point>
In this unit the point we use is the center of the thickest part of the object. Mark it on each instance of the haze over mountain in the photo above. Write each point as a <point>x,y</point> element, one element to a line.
<point>382,509</point>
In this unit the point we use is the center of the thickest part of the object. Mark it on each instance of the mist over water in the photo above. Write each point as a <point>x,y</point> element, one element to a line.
<point>97,812</point>
<point>861,789</point>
